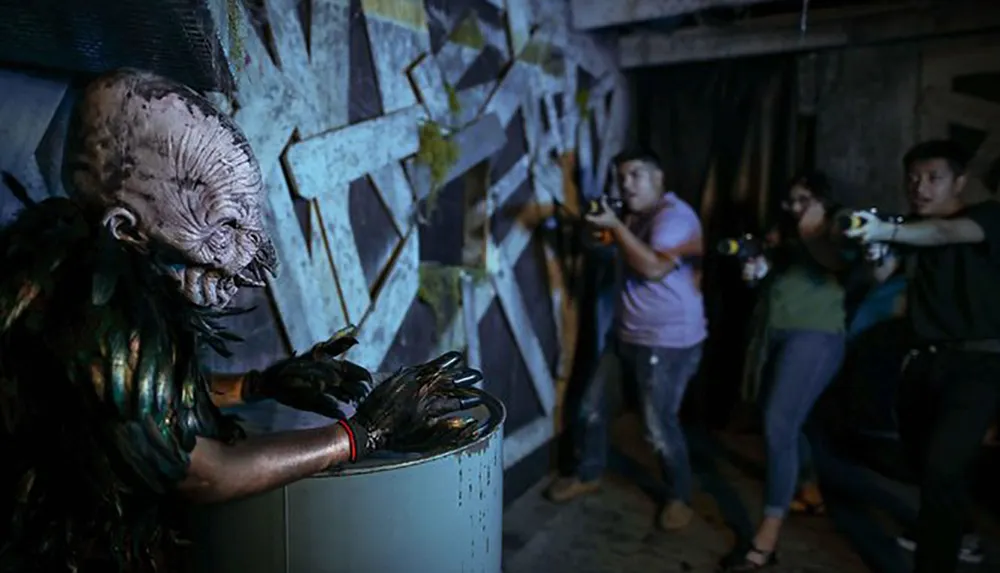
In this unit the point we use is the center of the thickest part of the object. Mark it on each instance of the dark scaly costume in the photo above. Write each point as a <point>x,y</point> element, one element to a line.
<point>101,396</point>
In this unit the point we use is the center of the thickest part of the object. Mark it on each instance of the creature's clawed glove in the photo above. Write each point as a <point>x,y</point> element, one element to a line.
<point>315,381</point>
<point>410,411</point>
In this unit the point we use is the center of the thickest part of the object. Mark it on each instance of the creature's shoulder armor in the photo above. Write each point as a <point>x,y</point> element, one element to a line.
<point>84,320</point>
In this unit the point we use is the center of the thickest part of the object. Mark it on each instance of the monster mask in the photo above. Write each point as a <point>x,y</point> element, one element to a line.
<point>169,174</point>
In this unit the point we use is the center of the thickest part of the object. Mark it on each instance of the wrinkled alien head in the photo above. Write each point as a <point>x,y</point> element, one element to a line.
<point>169,174</point>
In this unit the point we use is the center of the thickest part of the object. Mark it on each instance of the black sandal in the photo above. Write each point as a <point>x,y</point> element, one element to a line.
<point>736,564</point>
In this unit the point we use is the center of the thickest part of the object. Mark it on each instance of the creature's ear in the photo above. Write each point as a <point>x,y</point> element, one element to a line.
<point>121,222</point>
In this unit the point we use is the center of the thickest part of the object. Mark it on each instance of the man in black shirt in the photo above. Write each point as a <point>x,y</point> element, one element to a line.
<point>951,384</point>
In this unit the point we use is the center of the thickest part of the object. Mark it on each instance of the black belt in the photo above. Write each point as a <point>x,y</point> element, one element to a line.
<point>991,346</point>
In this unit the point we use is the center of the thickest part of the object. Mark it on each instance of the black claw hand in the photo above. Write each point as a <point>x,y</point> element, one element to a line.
<point>454,400</point>
<point>411,410</point>
<point>341,341</point>
<point>328,406</point>
<point>468,378</point>
<point>438,435</point>
<point>446,360</point>
<point>469,402</point>
<point>315,380</point>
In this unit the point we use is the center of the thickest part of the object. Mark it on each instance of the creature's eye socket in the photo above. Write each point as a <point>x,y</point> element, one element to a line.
<point>230,224</point>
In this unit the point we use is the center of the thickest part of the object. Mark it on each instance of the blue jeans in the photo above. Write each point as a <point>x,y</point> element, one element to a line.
<point>879,305</point>
<point>661,375</point>
<point>802,363</point>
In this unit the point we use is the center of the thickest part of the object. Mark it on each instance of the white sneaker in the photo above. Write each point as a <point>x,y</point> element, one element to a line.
<point>971,551</point>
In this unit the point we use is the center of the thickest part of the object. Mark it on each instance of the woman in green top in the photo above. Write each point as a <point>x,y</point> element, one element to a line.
<point>805,345</point>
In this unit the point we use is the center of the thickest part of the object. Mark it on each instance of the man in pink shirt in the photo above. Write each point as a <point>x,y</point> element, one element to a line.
<point>659,330</point>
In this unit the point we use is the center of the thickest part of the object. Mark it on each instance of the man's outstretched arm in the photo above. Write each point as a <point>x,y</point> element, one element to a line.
<point>978,224</point>
<point>937,232</point>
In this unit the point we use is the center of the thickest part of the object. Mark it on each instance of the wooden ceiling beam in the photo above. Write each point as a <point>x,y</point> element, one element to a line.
<point>832,28</point>
<point>592,14</point>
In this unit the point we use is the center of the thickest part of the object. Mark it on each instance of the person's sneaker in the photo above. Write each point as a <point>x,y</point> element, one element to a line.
<point>971,551</point>
<point>905,540</point>
<point>567,488</point>
<point>676,515</point>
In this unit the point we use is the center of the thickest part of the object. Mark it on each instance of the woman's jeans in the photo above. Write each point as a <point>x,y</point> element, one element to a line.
<point>661,376</point>
<point>801,363</point>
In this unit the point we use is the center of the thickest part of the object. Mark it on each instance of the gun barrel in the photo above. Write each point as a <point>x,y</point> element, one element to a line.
<point>728,247</point>
<point>594,205</point>
<point>849,221</point>
<point>854,220</point>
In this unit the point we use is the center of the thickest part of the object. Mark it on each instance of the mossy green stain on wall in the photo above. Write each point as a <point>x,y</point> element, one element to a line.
<point>440,283</point>
<point>439,153</point>
<point>236,49</point>
<point>469,34</point>
<point>540,54</point>
<point>454,106</point>
<point>582,99</point>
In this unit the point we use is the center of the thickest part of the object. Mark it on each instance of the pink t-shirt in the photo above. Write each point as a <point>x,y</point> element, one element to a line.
<point>668,312</point>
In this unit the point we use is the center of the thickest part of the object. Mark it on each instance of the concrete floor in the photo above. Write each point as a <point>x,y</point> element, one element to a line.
<point>613,531</point>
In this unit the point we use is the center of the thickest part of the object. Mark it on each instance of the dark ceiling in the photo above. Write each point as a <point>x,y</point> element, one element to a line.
<point>727,16</point>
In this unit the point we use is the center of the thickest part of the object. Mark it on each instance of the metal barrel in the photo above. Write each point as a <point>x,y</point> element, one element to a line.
<point>395,514</point>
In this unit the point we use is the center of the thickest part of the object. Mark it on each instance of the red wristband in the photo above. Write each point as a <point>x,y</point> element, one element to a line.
<point>352,439</point>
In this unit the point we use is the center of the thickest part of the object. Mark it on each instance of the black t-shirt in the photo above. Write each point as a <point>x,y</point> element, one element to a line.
<point>954,292</point>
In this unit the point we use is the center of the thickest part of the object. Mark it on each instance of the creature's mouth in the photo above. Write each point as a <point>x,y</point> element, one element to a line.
<point>211,287</point>
<point>205,286</point>
<point>264,264</point>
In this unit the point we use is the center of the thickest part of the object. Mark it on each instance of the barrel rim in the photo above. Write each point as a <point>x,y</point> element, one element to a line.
<point>498,417</point>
